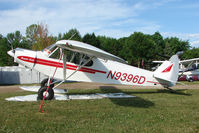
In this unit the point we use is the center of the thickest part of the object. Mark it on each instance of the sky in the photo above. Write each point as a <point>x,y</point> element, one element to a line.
<point>112,18</point>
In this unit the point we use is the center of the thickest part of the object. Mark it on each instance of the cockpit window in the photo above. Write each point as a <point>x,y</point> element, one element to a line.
<point>77,58</point>
<point>48,51</point>
<point>71,56</point>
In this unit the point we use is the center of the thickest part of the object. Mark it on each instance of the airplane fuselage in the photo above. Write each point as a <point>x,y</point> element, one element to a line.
<point>103,71</point>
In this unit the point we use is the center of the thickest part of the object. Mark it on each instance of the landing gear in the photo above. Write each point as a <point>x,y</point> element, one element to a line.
<point>42,90</point>
<point>190,80</point>
<point>45,83</point>
<point>170,89</point>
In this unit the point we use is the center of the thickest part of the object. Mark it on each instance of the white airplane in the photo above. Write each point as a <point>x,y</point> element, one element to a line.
<point>77,61</point>
<point>189,69</point>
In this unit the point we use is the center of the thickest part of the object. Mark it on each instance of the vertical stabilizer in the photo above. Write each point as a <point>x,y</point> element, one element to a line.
<point>167,73</point>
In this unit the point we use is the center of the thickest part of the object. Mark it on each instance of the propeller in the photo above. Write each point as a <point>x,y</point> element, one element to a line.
<point>12,51</point>
<point>10,42</point>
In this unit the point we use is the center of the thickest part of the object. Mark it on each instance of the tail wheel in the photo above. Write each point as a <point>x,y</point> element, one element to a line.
<point>42,91</point>
<point>45,82</point>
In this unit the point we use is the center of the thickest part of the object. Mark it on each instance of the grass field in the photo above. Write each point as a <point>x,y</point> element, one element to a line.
<point>152,111</point>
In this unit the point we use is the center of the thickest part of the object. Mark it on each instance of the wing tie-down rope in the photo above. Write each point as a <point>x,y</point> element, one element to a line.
<point>41,105</point>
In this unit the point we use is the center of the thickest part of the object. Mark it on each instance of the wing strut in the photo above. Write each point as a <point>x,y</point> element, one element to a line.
<point>81,64</point>
<point>64,65</point>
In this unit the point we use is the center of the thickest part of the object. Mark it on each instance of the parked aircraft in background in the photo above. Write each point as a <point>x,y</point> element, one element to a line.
<point>189,70</point>
<point>77,61</point>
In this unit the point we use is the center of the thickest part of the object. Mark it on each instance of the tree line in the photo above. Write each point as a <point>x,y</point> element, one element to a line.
<point>138,49</point>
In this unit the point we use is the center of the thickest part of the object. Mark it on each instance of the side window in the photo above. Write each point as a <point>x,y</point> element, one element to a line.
<point>73,57</point>
<point>69,55</point>
<point>55,54</point>
<point>85,59</point>
<point>77,58</point>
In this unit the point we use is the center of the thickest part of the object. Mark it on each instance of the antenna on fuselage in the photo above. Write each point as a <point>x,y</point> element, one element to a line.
<point>72,36</point>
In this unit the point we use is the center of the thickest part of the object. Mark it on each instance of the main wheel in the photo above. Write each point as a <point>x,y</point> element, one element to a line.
<point>45,82</point>
<point>42,91</point>
<point>190,80</point>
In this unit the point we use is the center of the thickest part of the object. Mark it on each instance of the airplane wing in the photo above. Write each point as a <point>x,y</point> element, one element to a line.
<point>189,60</point>
<point>88,50</point>
<point>182,61</point>
<point>157,61</point>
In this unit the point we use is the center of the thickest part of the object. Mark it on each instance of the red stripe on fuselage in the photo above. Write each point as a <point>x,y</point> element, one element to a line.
<point>57,64</point>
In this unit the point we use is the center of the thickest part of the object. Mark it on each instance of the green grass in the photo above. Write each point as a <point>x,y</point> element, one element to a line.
<point>152,111</point>
<point>189,83</point>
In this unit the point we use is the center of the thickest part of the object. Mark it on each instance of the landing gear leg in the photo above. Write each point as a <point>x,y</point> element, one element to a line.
<point>45,82</point>
<point>171,90</point>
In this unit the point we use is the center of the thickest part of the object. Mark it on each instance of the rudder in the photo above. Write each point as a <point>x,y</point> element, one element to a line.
<point>167,73</point>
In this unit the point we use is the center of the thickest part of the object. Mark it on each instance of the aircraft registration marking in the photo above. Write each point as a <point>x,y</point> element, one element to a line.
<point>126,77</point>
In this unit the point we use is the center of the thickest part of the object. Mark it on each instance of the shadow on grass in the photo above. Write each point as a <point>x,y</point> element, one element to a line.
<point>166,91</point>
<point>112,89</point>
<point>175,92</point>
<point>127,102</point>
<point>137,101</point>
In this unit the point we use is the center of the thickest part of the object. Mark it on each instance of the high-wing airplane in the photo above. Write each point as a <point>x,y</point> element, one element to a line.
<point>189,70</point>
<point>77,61</point>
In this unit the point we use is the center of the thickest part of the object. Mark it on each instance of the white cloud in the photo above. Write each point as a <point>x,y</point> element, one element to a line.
<point>191,37</point>
<point>195,43</point>
<point>64,14</point>
<point>114,18</point>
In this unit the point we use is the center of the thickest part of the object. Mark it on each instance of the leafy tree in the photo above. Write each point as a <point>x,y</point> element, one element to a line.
<point>5,59</point>
<point>174,44</point>
<point>192,53</point>
<point>41,38</point>
<point>138,48</point>
<point>31,33</point>
<point>59,36</point>
<point>110,45</point>
<point>16,40</point>
<point>159,46</point>
<point>72,34</point>
<point>91,39</point>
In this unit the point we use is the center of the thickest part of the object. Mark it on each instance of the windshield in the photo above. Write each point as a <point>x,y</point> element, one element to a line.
<point>54,52</point>
<point>47,51</point>
<point>50,48</point>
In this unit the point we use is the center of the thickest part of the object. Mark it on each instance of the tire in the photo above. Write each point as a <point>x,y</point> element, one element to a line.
<point>190,80</point>
<point>41,93</point>
<point>44,83</point>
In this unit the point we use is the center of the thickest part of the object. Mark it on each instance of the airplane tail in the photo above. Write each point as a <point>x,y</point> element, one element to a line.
<point>167,73</point>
